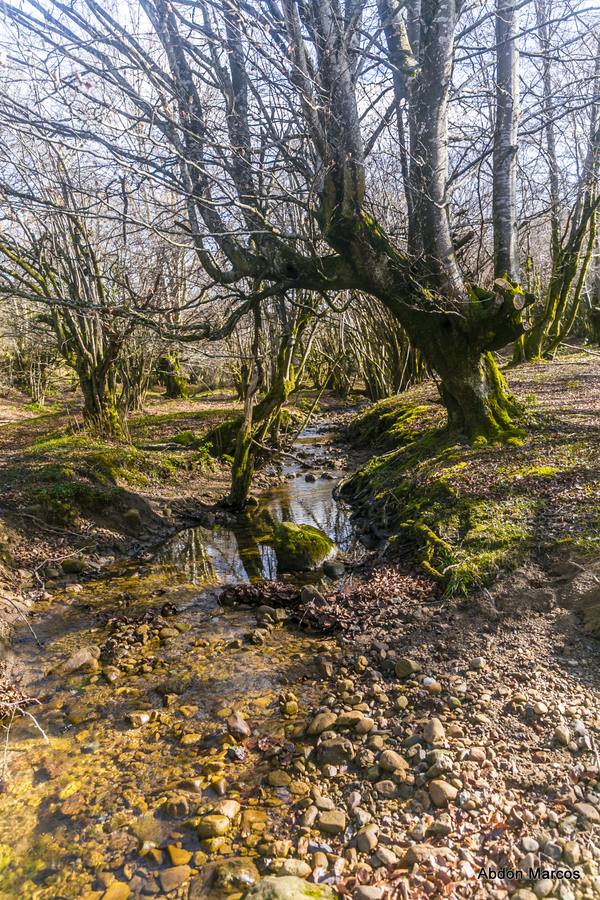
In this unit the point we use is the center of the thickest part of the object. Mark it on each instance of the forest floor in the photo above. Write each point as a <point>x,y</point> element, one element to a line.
<point>442,739</point>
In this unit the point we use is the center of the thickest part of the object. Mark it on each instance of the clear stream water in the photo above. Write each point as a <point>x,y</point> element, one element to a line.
<point>79,805</point>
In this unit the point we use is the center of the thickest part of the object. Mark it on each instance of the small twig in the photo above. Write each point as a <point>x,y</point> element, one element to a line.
<point>297,459</point>
<point>20,613</point>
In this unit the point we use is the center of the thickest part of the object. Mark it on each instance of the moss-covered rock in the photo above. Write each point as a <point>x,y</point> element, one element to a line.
<point>289,887</point>
<point>300,548</point>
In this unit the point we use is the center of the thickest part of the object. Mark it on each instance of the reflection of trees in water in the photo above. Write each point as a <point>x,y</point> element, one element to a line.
<point>242,552</point>
<point>310,507</point>
<point>207,557</point>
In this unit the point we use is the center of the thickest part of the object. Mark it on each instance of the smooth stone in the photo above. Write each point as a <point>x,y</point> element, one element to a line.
<point>178,856</point>
<point>434,731</point>
<point>335,751</point>
<point>562,735</point>
<point>587,811</point>
<point>390,761</point>
<point>279,778</point>
<point>238,727</point>
<point>441,792</point>
<point>117,891</point>
<point>83,658</point>
<point>368,892</point>
<point>366,839</point>
<point>285,867</point>
<point>321,722</point>
<point>289,887</point>
<point>404,667</point>
<point>213,826</point>
<point>332,821</point>
<point>226,876</point>
<point>174,877</point>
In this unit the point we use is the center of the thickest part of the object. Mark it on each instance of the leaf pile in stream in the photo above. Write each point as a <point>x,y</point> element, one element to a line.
<point>351,610</point>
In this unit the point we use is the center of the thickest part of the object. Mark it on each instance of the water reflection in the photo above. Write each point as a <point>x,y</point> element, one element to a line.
<point>242,552</point>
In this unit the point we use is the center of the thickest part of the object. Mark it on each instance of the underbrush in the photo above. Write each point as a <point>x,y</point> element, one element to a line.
<point>467,513</point>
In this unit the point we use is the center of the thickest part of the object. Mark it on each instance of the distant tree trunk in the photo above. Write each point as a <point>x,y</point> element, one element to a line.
<point>172,377</point>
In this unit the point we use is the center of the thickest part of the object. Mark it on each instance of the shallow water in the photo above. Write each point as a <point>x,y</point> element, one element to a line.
<point>82,801</point>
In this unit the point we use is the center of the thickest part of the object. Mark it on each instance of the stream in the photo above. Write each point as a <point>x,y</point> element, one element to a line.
<point>135,744</point>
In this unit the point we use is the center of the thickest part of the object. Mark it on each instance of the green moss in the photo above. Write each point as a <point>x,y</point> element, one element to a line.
<point>423,492</point>
<point>62,477</point>
<point>391,423</point>
<point>299,548</point>
<point>535,472</point>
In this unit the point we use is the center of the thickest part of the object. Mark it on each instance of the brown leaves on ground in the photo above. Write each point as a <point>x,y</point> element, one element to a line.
<point>358,605</point>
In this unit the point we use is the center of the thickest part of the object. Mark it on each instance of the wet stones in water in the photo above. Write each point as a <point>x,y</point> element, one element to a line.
<point>85,658</point>
<point>228,876</point>
<point>238,727</point>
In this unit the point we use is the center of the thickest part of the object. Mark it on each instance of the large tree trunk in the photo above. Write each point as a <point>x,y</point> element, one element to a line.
<point>476,396</point>
<point>99,402</point>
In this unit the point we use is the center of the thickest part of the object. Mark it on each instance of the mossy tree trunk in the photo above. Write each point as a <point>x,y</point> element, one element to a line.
<point>99,401</point>
<point>172,377</point>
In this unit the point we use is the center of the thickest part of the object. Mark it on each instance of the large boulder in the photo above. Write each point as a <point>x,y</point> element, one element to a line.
<point>289,887</point>
<point>300,548</point>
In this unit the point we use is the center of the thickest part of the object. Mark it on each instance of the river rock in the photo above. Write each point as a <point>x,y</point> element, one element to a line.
<point>226,876</point>
<point>441,792</point>
<point>366,839</point>
<point>390,761</point>
<point>229,808</point>
<point>86,657</point>
<point>118,890</point>
<point>332,821</point>
<point>174,877</point>
<point>335,751</point>
<point>74,565</point>
<point>238,727</point>
<point>323,721</point>
<point>300,548</point>
<point>368,892</point>
<point>434,731</point>
<point>587,811</point>
<point>297,867</point>
<point>213,826</point>
<point>404,667</point>
<point>289,888</point>
<point>178,856</point>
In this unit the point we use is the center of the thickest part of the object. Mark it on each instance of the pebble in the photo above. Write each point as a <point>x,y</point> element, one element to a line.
<point>238,727</point>
<point>434,731</point>
<point>213,826</point>
<point>332,821</point>
<point>562,735</point>
<point>404,667</point>
<point>366,839</point>
<point>441,792</point>
<point>390,761</point>
<point>174,877</point>
<point>587,811</point>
